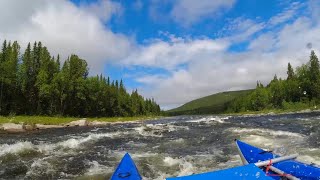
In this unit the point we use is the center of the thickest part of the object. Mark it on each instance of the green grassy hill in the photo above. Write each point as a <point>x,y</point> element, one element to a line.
<point>213,104</point>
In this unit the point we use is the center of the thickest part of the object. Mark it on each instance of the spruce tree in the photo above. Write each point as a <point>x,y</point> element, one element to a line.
<point>290,72</point>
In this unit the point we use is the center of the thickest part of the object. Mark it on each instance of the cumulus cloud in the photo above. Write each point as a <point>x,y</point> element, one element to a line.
<point>286,15</point>
<point>64,28</point>
<point>187,12</point>
<point>13,13</point>
<point>314,6</point>
<point>241,29</point>
<point>104,9</point>
<point>170,54</point>
<point>215,69</point>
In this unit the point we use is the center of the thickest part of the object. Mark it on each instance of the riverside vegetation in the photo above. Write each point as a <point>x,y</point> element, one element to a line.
<point>212,104</point>
<point>299,91</point>
<point>34,83</point>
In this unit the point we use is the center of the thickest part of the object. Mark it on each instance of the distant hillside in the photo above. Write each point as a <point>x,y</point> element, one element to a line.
<point>213,104</point>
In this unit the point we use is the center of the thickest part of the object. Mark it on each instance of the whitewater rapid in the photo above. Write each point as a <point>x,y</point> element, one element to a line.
<point>161,148</point>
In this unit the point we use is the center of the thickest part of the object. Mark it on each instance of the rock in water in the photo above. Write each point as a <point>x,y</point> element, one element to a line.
<point>44,126</point>
<point>81,122</point>
<point>12,127</point>
<point>98,123</point>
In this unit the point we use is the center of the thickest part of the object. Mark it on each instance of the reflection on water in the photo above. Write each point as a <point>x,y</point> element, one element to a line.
<point>172,146</point>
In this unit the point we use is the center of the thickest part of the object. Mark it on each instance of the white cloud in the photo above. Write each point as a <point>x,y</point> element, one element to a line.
<point>64,28</point>
<point>13,13</point>
<point>286,15</point>
<point>104,9</point>
<point>187,12</point>
<point>265,42</point>
<point>314,6</point>
<point>211,70</point>
<point>241,29</point>
<point>168,55</point>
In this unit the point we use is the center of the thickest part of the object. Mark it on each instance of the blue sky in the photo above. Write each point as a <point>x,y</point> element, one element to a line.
<point>172,50</point>
<point>137,21</point>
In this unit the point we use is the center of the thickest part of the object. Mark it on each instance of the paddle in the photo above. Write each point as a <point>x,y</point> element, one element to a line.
<point>268,163</point>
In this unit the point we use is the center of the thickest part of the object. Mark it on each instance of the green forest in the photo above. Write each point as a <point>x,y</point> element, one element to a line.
<point>212,104</point>
<point>35,83</point>
<point>301,89</point>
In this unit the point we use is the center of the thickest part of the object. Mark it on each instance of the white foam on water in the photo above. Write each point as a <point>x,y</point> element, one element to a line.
<point>219,120</point>
<point>145,131</point>
<point>260,141</point>
<point>304,119</point>
<point>138,155</point>
<point>76,142</point>
<point>162,165</point>
<point>53,148</point>
<point>15,148</point>
<point>40,166</point>
<point>185,167</point>
<point>209,120</point>
<point>266,132</point>
<point>198,120</point>
<point>179,140</point>
<point>96,169</point>
<point>156,130</point>
<point>136,144</point>
<point>197,164</point>
<point>309,155</point>
<point>281,142</point>
<point>170,161</point>
<point>309,159</point>
<point>226,117</point>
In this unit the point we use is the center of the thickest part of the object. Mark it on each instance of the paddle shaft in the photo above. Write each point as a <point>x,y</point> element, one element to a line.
<point>276,170</point>
<point>275,160</point>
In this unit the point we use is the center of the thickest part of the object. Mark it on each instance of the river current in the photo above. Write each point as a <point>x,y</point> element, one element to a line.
<point>161,148</point>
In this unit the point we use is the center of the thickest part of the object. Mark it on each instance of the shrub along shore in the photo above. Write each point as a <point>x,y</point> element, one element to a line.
<point>300,90</point>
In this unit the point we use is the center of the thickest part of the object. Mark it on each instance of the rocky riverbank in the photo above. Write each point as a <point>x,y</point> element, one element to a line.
<point>22,127</point>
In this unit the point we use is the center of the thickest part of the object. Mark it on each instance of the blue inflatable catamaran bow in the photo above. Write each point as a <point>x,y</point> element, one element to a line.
<point>258,164</point>
<point>289,168</point>
<point>126,170</point>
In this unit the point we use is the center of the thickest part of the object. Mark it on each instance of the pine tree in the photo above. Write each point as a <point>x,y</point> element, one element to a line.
<point>314,75</point>
<point>290,72</point>
<point>38,85</point>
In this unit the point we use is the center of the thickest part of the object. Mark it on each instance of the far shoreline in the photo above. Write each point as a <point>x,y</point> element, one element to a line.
<point>23,124</point>
<point>274,112</point>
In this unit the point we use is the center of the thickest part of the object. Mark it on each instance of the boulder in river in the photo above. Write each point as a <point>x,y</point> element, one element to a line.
<point>29,127</point>
<point>12,127</point>
<point>98,123</point>
<point>45,126</point>
<point>81,122</point>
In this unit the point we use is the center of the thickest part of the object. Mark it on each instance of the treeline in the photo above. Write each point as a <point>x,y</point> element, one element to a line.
<point>301,89</point>
<point>34,83</point>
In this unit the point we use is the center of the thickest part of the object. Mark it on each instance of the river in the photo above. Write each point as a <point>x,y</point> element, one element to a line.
<point>161,148</point>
